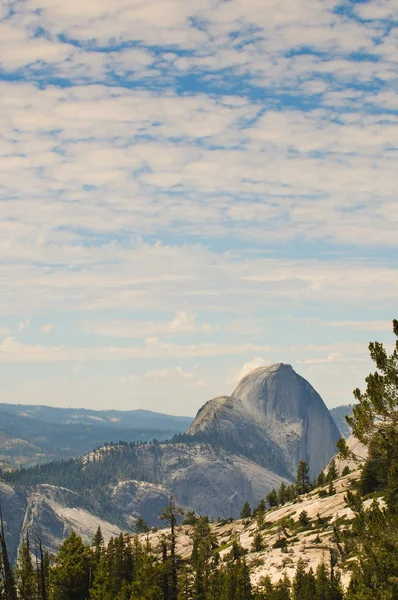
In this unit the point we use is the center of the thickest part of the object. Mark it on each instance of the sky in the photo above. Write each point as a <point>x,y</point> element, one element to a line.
<point>190,189</point>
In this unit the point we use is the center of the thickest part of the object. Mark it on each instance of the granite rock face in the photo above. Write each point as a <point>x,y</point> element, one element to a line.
<point>274,417</point>
<point>238,448</point>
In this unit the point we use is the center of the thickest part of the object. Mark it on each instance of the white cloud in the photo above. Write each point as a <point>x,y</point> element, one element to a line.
<point>361,325</point>
<point>169,374</point>
<point>13,351</point>
<point>89,168</point>
<point>183,323</point>
<point>333,357</point>
<point>248,367</point>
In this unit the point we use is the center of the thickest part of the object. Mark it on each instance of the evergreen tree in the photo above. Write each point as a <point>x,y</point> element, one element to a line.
<point>304,519</point>
<point>282,494</point>
<point>203,544</point>
<point>102,588</point>
<point>10,591</point>
<point>141,526</point>
<point>246,511</point>
<point>332,473</point>
<point>272,498</point>
<point>304,586</point>
<point>282,589</point>
<point>170,515</point>
<point>26,576</point>
<point>147,574</point>
<point>70,576</point>
<point>374,536</point>
<point>322,583</point>
<point>303,485</point>
<point>257,545</point>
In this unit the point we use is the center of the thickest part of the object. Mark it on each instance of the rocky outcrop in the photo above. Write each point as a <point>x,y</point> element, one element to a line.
<point>238,448</point>
<point>275,417</point>
<point>359,454</point>
<point>50,512</point>
<point>13,504</point>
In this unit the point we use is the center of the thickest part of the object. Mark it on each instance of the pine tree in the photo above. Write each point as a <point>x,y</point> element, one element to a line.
<point>203,544</point>
<point>26,577</point>
<point>282,494</point>
<point>170,515</point>
<point>10,592</point>
<point>322,582</point>
<point>257,545</point>
<point>374,538</point>
<point>246,511</point>
<point>332,473</point>
<point>141,526</point>
<point>102,588</point>
<point>70,575</point>
<point>303,485</point>
<point>272,498</point>
<point>282,589</point>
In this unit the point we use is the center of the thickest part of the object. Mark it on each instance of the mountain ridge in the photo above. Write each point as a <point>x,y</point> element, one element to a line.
<point>237,449</point>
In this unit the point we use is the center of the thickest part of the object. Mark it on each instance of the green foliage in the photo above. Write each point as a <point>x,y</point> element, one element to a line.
<point>258,543</point>
<point>373,539</point>
<point>332,473</point>
<point>190,518</point>
<point>8,580</point>
<point>70,576</point>
<point>25,572</point>
<point>374,543</point>
<point>304,585</point>
<point>246,511</point>
<point>303,485</point>
<point>304,519</point>
<point>141,526</point>
<point>272,498</point>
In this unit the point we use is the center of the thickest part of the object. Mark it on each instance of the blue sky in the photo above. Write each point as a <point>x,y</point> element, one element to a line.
<point>191,189</point>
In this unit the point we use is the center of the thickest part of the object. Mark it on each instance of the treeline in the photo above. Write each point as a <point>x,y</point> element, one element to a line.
<point>129,568</point>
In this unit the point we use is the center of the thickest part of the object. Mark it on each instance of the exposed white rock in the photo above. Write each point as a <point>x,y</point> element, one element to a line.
<point>275,417</point>
<point>312,545</point>
<point>359,451</point>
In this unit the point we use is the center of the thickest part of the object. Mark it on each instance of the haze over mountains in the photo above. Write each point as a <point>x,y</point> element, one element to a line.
<point>37,434</point>
<point>237,449</point>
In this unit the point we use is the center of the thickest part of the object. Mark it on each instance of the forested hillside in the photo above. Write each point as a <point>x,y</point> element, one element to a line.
<point>36,434</point>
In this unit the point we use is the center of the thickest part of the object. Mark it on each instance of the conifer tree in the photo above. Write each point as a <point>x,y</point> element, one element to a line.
<point>246,511</point>
<point>272,498</point>
<point>282,589</point>
<point>26,577</point>
<point>70,575</point>
<point>374,422</point>
<point>170,515</point>
<point>203,544</point>
<point>10,592</point>
<point>332,473</point>
<point>102,588</point>
<point>282,494</point>
<point>303,485</point>
<point>257,545</point>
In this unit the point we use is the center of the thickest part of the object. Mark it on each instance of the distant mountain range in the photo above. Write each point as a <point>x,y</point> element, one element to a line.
<point>37,434</point>
<point>32,435</point>
<point>238,448</point>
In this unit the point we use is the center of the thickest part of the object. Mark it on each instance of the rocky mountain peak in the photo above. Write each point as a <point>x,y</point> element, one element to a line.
<point>273,416</point>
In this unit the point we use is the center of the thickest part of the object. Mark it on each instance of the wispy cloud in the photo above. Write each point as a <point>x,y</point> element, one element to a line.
<point>212,171</point>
